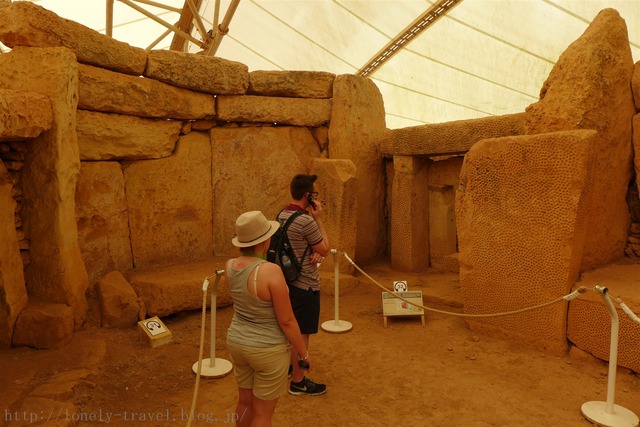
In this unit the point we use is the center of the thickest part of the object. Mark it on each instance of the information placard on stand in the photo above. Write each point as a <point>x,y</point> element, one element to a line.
<point>392,306</point>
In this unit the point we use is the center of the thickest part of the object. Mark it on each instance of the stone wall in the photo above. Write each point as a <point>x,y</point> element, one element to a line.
<point>524,239</point>
<point>123,174</point>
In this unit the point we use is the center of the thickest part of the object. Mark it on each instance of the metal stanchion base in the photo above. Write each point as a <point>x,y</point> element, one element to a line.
<point>337,327</point>
<point>596,413</point>
<point>220,368</point>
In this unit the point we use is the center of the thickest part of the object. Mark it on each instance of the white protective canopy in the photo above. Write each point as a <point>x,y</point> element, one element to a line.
<point>480,58</point>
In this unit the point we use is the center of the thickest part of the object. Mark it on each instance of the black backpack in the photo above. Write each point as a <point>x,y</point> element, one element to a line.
<point>280,251</point>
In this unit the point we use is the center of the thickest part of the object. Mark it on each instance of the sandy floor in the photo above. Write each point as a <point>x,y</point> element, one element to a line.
<point>441,374</point>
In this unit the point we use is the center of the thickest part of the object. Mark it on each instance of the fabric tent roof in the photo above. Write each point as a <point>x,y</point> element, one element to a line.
<point>484,57</point>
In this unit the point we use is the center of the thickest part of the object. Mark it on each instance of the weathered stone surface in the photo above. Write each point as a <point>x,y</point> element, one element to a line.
<point>13,294</point>
<point>589,88</point>
<point>109,92</point>
<point>636,147</point>
<point>356,129</point>
<point>338,188</point>
<point>44,325</point>
<point>202,125</point>
<point>410,214</point>
<point>56,272</point>
<point>118,301</point>
<point>271,156</point>
<point>448,138</point>
<point>175,288</point>
<point>292,84</point>
<point>446,171</point>
<point>264,109</point>
<point>521,210</point>
<point>635,84</point>
<point>103,220</point>
<point>23,114</point>
<point>321,134</point>
<point>202,73</point>
<point>27,24</point>
<point>442,220</point>
<point>118,137</point>
<point>169,204</point>
<point>60,386</point>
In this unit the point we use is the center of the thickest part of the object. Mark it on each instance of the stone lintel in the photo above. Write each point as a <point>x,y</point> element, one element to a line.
<point>201,73</point>
<point>448,138</point>
<point>292,84</point>
<point>110,92</point>
<point>264,109</point>
<point>28,24</point>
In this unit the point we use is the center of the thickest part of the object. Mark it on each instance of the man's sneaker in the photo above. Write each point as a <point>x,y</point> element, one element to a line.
<point>307,386</point>
<point>290,371</point>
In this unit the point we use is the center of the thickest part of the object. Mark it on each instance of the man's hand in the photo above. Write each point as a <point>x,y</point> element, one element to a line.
<point>316,258</point>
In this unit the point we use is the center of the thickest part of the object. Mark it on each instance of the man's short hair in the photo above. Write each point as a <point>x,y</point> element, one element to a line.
<point>301,184</point>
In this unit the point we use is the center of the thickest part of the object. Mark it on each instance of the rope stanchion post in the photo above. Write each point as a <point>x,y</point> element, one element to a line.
<point>336,326</point>
<point>212,367</point>
<point>608,413</point>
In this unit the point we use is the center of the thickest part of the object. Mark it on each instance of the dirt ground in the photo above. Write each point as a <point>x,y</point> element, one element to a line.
<point>442,374</point>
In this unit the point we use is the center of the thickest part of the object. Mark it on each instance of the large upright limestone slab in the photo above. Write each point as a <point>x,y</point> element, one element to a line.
<point>442,220</point>
<point>103,220</point>
<point>252,168</point>
<point>13,294</point>
<point>521,213</point>
<point>23,114</point>
<point>202,73</point>
<point>109,92</point>
<point>338,188</point>
<point>636,147</point>
<point>635,84</point>
<point>589,88</point>
<point>169,203</point>
<point>56,273</point>
<point>28,24</point>
<point>117,137</point>
<point>410,214</point>
<point>356,129</point>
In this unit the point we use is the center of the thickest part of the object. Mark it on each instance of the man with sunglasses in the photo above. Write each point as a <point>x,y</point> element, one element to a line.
<point>310,244</point>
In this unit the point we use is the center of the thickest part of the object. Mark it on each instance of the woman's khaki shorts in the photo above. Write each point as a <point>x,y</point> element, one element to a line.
<point>261,369</point>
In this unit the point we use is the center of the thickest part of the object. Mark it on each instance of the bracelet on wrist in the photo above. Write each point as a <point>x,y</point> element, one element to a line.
<point>305,357</point>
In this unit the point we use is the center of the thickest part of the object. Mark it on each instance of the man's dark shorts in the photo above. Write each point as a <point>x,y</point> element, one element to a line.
<point>306,308</point>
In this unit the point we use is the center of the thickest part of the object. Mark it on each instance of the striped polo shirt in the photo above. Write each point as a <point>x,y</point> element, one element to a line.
<point>302,232</point>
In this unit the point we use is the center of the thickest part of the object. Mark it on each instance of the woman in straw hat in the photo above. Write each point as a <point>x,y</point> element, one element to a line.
<point>263,326</point>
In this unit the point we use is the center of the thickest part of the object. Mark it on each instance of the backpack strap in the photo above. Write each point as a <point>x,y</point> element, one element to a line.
<point>286,226</point>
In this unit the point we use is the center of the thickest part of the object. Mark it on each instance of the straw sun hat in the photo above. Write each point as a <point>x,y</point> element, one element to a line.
<point>253,228</point>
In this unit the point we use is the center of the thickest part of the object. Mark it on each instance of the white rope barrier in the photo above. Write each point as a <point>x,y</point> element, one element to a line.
<point>573,295</point>
<point>630,313</point>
